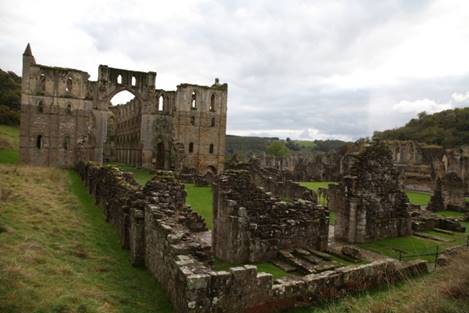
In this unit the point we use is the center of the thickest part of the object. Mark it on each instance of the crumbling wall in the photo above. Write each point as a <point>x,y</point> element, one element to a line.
<point>276,182</point>
<point>368,203</point>
<point>448,194</point>
<point>159,238</point>
<point>251,225</point>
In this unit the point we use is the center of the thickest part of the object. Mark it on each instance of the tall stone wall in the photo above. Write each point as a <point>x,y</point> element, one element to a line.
<point>368,203</point>
<point>251,225</point>
<point>161,234</point>
<point>66,118</point>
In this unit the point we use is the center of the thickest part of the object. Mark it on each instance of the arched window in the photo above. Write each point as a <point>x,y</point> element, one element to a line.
<point>119,79</point>
<point>212,103</point>
<point>191,147</point>
<point>69,85</point>
<point>40,107</point>
<point>39,142</point>
<point>213,122</point>
<point>194,101</point>
<point>42,82</point>
<point>161,104</point>
<point>68,109</point>
<point>211,148</point>
<point>66,143</point>
<point>193,120</point>
<point>134,81</point>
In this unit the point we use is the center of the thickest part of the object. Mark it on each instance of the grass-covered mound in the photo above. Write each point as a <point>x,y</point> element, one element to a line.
<point>59,255</point>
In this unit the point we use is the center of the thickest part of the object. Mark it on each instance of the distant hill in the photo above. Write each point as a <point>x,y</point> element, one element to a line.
<point>244,146</point>
<point>448,128</point>
<point>10,98</point>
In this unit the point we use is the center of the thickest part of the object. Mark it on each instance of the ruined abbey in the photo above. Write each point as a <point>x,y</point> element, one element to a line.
<point>66,118</point>
<point>261,213</point>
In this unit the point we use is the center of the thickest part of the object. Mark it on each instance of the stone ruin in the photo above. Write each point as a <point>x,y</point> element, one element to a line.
<point>369,203</point>
<point>163,235</point>
<point>275,181</point>
<point>251,225</point>
<point>448,194</point>
<point>67,118</point>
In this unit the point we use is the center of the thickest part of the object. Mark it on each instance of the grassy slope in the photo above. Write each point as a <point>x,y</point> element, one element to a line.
<point>9,144</point>
<point>58,253</point>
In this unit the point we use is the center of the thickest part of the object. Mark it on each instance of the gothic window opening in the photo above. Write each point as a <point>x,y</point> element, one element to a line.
<point>42,82</point>
<point>212,103</point>
<point>211,148</point>
<point>39,142</point>
<point>193,120</point>
<point>161,104</point>
<point>134,81</point>
<point>119,79</point>
<point>40,107</point>
<point>68,109</point>
<point>69,85</point>
<point>191,147</point>
<point>194,101</point>
<point>213,122</point>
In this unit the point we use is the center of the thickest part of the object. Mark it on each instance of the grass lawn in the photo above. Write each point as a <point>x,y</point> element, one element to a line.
<point>9,144</point>
<point>419,198</point>
<point>201,199</point>
<point>141,175</point>
<point>261,267</point>
<point>59,255</point>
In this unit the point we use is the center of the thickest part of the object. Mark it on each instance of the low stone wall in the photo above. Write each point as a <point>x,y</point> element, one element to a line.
<point>155,224</point>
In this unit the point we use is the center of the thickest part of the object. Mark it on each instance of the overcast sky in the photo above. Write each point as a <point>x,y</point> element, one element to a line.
<point>303,69</point>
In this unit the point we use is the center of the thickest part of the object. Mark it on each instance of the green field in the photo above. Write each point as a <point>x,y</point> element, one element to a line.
<point>201,199</point>
<point>9,144</point>
<point>419,198</point>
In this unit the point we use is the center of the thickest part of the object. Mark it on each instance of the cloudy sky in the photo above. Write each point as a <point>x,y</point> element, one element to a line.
<point>303,69</point>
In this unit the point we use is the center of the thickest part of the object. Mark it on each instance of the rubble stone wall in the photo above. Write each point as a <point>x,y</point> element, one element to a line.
<point>159,238</point>
<point>251,225</point>
<point>368,203</point>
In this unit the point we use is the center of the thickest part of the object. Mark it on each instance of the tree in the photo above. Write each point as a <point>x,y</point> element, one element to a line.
<point>277,148</point>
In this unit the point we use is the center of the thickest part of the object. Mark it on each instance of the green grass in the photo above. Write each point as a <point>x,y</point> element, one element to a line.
<point>412,245</point>
<point>315,185</point>
<point>466,199</point>
<point>59,255</point>
<point>266,267</point>
<point>141,175</point>
<point>9,144</point>
<point>450,214</point>
<point>201,200</point>
<point>418,198</point>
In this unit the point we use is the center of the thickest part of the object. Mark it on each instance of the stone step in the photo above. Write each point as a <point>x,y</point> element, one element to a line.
<point>431,237</point>
<point>301,264</point>
<point>443,231</point>
<point>322,255</point>
<point>284,266</point>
